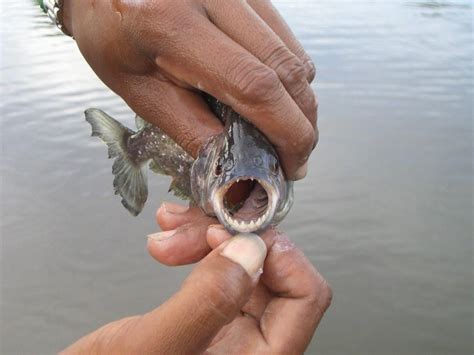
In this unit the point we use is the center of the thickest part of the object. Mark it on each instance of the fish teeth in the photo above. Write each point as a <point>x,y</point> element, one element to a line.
<point>244,226</point>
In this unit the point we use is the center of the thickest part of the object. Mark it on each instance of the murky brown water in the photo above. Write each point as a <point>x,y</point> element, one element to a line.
<point>385,214</point>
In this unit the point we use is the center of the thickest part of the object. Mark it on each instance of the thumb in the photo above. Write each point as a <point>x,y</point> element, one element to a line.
<point>211,297</point>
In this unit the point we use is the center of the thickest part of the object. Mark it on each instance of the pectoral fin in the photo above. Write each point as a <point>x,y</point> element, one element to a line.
<point>156,168</point>
<point>180,189</point>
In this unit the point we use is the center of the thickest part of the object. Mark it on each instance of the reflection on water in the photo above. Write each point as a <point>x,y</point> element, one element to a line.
<point>385,213</point>
<point>440,4</point>
<point>439,8</point>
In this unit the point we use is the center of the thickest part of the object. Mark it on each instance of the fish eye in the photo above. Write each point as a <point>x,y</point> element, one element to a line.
<point>218,170</point>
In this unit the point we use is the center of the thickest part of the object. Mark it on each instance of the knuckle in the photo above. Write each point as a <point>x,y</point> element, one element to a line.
<point>308,63</point>
<point>325,299</point>
<point>326,294</point>
<point>310,99</point>
<point>312,107</point>
<point>154,9</point>
<point>305,143</point>
<point>163,21</point>
<point>316,138</point>
<point>254,82</point>
<point>293,74</point>
<point>329,295</point>
<point>290,69</point>
<point>275,54</point>
<point>191,143</point>
<point>307,101</point>
<point>307,139</point>
<point>310,70</point>
<point>320,293</point>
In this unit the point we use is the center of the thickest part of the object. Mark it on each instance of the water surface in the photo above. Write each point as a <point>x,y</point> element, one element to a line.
<point>385,213</point>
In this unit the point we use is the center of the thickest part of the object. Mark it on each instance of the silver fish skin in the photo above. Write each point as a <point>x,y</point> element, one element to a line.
<point>236,177</point>
<point>241,158</point>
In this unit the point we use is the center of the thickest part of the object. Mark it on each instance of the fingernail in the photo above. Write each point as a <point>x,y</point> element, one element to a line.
<point>302,172</point>
<point>218,233</point>
<point>170,207</point>
<point>160,236</point>
<point>247,250</point>
<point>219,227</point>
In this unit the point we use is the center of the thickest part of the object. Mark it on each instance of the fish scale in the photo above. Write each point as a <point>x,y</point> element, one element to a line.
<point>240,153</point>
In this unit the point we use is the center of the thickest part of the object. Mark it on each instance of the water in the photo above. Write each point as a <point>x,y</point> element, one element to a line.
<point>385,213</point>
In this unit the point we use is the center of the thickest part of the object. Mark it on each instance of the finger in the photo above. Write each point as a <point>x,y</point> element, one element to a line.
<point>171,216</point>
<point>216,235</point>
<point>185,245</point>
<point>248,29</point>
<point>272,17</point>
<point>180,113</point>
<point>211,297</point>
<point>183,240</point>
<point>290,319</point>
<point>237,78</point>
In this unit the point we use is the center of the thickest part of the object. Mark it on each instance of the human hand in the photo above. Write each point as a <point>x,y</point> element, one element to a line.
<point>157,54</point>
<point>225,305</point>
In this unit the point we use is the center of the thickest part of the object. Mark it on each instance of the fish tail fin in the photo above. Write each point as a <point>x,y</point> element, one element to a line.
<point>130,175</point>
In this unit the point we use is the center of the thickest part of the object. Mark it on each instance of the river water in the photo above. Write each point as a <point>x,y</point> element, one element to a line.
<point>385,213</point>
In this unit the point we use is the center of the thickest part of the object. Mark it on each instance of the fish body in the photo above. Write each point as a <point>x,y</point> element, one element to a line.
<point>236,177</point>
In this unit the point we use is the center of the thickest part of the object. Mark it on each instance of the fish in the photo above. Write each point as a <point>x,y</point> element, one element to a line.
<point>236,177</point>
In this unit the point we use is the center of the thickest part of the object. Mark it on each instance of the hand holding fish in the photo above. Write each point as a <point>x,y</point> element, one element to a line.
<point>226,305</point>
<point>224,87</point>
<point>157,54</point>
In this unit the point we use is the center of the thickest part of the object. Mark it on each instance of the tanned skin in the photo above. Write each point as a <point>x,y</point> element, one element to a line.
<point>220,308</point>
<point>158,55</point>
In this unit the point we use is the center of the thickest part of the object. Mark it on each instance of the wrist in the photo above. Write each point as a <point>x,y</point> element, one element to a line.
<point>56,9</point>
<point>67,17</point>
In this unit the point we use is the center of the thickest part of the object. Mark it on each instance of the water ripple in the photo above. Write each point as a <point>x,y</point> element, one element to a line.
<point>385,213</point>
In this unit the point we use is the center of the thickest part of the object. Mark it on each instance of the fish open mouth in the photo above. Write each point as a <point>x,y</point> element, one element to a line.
<point>245,204</point>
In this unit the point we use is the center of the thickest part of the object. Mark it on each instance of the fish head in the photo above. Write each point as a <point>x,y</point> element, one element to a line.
<point>238,178</point>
